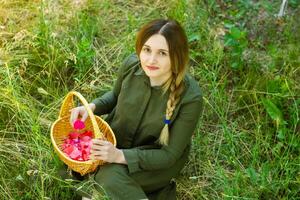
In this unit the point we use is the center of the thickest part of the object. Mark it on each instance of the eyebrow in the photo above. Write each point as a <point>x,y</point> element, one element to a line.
<point>158,49</point>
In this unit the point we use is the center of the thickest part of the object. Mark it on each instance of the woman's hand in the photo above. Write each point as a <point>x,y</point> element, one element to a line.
<point>106,151</point>
<point>80,111</point>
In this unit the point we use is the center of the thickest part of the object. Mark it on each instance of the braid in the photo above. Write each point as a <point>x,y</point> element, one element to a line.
<point>176,88</point>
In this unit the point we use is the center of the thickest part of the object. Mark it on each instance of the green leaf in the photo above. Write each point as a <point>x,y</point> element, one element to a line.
<point>236,65</point>
<point>19,178</point>
<point>252,174</point>
<point>281,133</point>
<point>228,25</point>
<point>194,37</point>
<point>273,111</point>
<point>229,41</point>
<point>236,33</point>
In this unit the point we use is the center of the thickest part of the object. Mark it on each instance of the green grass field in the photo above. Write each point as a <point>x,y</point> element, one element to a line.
<point>246,60</point>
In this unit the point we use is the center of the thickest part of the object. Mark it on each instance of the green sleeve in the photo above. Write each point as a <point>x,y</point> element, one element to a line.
<point>105,103</point>
<point>180,135</point>
<point>108,101</point>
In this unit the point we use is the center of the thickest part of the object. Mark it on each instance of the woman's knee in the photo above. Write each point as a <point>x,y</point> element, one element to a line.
<point>115,181</point>
<point>109,175</point>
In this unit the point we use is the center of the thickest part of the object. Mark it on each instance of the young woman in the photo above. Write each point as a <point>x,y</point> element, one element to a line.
<point>153,110</point>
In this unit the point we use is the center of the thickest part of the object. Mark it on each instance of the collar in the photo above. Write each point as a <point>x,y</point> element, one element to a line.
<point>139,71</point>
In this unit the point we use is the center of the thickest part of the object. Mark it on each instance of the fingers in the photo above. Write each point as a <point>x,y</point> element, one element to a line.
<point>74,115</point>
<point>75,112</point>
<point>103,150</point>
<point>100,148</point>
<point>97,157</point>
<point>99,153</point>
<point>100,145</point>
<point>98,142</point>
<point>84,117</point>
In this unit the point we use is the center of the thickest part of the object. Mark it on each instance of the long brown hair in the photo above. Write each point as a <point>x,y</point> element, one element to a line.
<point>179,57</point>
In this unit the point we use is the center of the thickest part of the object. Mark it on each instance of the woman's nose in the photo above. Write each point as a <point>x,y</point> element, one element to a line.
<point>152,58</point>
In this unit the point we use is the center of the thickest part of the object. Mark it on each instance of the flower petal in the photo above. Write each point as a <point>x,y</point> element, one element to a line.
<point>75,154</point>
<point>73,135</point>
<point>78,124</point>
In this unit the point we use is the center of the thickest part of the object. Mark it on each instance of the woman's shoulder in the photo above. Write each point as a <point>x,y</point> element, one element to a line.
<point>129,63</point>
<point>193,91</point>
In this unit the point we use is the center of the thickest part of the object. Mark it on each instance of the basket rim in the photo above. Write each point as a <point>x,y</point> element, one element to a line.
<point>63,154</point>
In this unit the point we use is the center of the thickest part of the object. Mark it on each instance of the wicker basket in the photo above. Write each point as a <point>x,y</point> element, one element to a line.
<point>61,128</point>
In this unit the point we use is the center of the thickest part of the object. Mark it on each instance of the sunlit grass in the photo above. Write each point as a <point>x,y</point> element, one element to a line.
<point>247,143</point>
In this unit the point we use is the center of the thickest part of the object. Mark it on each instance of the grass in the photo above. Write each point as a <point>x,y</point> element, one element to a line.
<point>245,60</point>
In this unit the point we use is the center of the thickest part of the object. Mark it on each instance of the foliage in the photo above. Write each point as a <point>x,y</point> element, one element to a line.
<point>245,59</point>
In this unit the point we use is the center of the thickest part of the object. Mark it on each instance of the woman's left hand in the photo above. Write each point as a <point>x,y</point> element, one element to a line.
<point>106,151</point>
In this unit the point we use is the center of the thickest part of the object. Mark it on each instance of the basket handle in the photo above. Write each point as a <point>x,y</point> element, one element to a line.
<point>68,104</point>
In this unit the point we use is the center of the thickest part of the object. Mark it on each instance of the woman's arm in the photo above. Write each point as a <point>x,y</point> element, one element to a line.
<point>106,103</point>
<point>152,159</point>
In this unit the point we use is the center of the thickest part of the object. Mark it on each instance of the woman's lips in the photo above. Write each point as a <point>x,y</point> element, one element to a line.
<point>152,67</point>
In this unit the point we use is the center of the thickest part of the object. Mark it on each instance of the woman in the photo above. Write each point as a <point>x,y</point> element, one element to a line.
<point>153,110</point>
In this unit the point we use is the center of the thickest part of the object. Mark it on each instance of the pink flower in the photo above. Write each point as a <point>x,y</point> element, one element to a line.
<point>78,124</point>
<point>85,155</point>
<point>77,146</point>
<point>69,149</point>
<point>87,133</point>
<point>86,138</point>
<point>76,154</point>
<point>73,135</point>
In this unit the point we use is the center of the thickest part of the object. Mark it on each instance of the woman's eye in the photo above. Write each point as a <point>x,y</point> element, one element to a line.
<point>163,53</point>
<point>146,49</point>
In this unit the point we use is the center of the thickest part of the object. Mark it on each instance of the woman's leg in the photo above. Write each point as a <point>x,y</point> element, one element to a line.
<point>155,180</point>
<point>166,193</point>
<point>116,182</point>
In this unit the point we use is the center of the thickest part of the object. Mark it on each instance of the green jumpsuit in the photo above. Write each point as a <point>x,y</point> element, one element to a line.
<point>136,112</point>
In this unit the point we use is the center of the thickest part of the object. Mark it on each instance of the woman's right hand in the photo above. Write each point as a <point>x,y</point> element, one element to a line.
<point>80,111</point>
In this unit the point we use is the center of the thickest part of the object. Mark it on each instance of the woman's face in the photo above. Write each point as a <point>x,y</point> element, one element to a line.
<point>155,59</point>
